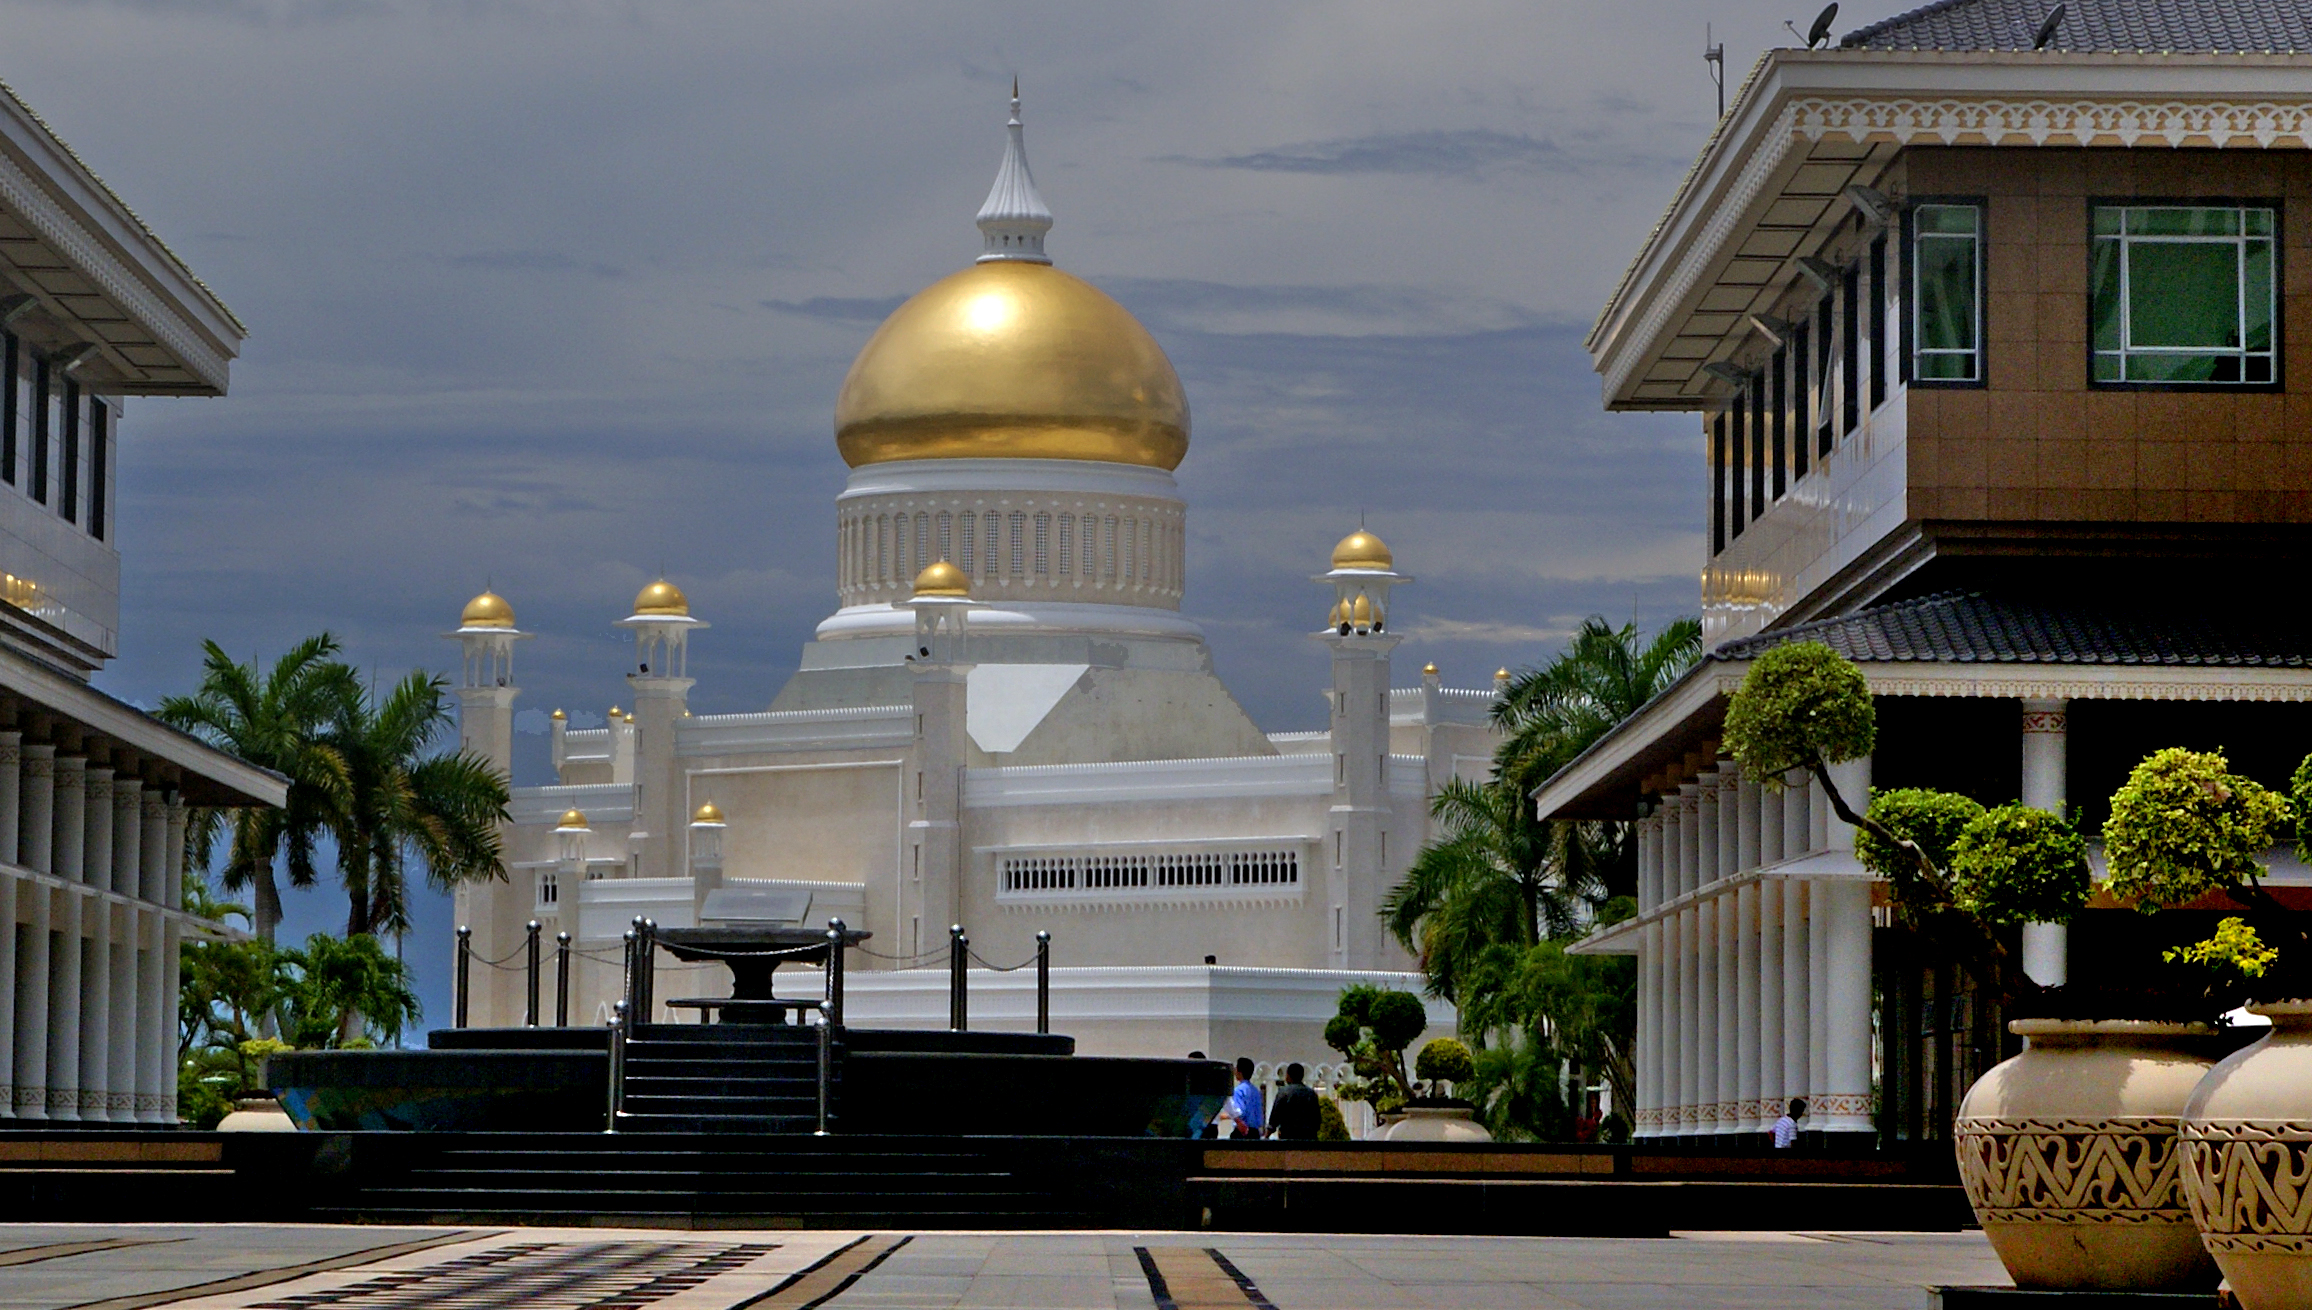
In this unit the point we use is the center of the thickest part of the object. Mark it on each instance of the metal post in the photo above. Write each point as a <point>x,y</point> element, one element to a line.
<point>835,942</point>
<point>826,1060</point>
<point>648,974</point>
<point>626,979</point>
<point>962,987</point>
<point>465,970</point>
<point>561,980</point>
<point>1043,982</point>
<point>617,1091</point>
<point>530,976</point>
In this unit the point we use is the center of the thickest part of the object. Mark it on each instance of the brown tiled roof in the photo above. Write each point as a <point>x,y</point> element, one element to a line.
<point>1969,628</point>
<point>2268,26</point>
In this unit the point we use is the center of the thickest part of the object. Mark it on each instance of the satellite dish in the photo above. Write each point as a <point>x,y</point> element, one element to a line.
<point>1820,32</point>
<point>2048,28</point>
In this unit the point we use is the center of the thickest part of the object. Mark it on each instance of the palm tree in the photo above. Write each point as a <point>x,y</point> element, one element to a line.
<point>443,808</point>
<point>274,720</point>
<point>1604,675</point>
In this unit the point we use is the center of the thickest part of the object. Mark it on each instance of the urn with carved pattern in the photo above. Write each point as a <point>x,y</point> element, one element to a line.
<point>2247,1157</point>
<point>2069,1155</point>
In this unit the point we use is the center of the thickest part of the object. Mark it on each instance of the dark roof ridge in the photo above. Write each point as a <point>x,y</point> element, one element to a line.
<point>1969,627</point>
<point>1864,33</point>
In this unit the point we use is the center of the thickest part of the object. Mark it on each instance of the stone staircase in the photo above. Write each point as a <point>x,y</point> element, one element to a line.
<point>725,1077</point>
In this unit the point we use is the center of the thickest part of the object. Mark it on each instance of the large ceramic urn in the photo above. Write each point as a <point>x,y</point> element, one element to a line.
<point>2068,1152</point>
<point>2247,1148</point>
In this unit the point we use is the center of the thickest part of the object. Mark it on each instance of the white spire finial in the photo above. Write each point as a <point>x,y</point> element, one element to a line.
<point>1013,221</point>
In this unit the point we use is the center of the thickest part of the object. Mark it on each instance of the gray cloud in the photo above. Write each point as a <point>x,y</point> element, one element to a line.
<point>533,261</point>
<point>1468,153</point>
<point>839,309</point>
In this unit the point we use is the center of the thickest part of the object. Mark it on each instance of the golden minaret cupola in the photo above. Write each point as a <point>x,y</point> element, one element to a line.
<point>1363,571</point>
<point>1016,422</point>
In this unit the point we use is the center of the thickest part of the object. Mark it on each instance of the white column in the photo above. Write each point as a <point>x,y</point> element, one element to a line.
<point>2045,737</point>
<point>11,799</point>
<point>64,965</point>
<point>1729,952</point>
<point>172,980</point>
<point>1690,1084</point>
<point>1649,1059</point>
<point>36,811</point>
<point>1770,805</point>
<point>1748,1036</point>
<point>1649,862</point>
<point>96,829</point>
<point>127,838</point>
<point>1748,805</point>
<point>1769,975</point>
<point>9,895</point>
<point>1706,1012</point>
<point>156,1065</point>
<point>35,907</point>
<point>96,1000</point>
<point>120,1055</point>
<point>1843,923</point>
<point>1689,838</point>
<point>1797,825</point>
<point>1797,1034</point>
<point>152,871</point>
<point>173,856</point>
<point>68,816</point>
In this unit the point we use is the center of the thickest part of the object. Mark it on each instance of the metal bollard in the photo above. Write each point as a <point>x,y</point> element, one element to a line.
<point>561,980</point>
<point>530,976</point>
<point>1043,982</point>
<point>616,1097</point>
<point>958,1013</point>
<point>826,1062</point>
<point>626,975</point>
<point>835,943</point>
<point>648,973</point>
<point>465,971</point>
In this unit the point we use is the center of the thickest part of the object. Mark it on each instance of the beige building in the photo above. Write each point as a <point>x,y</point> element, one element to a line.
<point>1006,723</point>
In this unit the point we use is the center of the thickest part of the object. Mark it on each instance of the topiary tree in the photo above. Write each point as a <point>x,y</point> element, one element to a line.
<point>2184,826</point>
<point>1331,1126</point>
<point>2015,865</point>
<point>1372,1030</point>
<point>1443,1061</point>
<point>1803,706</point>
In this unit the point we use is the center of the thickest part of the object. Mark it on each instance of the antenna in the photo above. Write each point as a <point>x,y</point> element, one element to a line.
<point>2048,28</point>
<point>1714,54</point>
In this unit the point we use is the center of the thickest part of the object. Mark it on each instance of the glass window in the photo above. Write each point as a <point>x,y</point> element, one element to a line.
<point>1946,293</point>
<point>2182,294</point>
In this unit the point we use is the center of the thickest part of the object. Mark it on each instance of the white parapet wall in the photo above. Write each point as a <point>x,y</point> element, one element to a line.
<point>1275,1016</point>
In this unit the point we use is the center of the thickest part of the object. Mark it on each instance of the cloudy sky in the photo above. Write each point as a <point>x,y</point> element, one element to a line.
<point>554,295</point>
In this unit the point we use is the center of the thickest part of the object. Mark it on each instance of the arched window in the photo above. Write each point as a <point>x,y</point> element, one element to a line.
<point>1043,543</point>
<point>1019,532</point>
<point>947,536</point>
<point>1067,544</point>
<point>969,536</point>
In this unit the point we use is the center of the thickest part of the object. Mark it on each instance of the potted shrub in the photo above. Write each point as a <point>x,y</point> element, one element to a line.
<point>2068,1151</point>
<point>1436,1115</point>
<point>2185,829</point>
<point>1371,1030</point>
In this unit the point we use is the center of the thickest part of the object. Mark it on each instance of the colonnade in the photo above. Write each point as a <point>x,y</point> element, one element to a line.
<point>91,860</point>
<point>1754,981</point>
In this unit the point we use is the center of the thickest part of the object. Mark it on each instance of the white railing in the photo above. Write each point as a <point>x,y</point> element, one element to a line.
<point>1269,869</point>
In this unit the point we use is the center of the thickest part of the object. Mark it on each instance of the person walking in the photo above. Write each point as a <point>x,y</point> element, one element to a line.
<point>1294,1117</point>
<point>1245,1103</point>
<point>1786,1127</point>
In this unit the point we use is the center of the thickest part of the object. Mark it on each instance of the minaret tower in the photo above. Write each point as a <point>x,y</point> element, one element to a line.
<point>486,689</point>
<point>932,896</point>
<point>1356,629</point>
<point>662,626</point>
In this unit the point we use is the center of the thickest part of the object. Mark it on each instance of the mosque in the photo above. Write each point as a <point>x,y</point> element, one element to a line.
<point>1007,724</point>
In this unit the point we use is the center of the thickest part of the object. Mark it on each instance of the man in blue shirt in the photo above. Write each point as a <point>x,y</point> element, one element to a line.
<point>1245,1102</point>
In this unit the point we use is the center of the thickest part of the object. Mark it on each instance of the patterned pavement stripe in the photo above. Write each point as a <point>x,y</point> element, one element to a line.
<point>827,1279</point>
<point>540,1276</point>
<point>1197,1278</point>
<point>287,1273</point>
<point>25,1255</point>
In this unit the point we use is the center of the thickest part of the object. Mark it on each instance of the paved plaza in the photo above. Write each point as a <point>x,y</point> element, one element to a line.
<point>316,1267</point>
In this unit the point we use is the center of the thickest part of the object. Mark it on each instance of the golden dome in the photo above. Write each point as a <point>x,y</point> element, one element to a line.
<point>707,813</point>
<point>560,715</point>
<point>662,597</point>
<point>1361,610</point>
<point>572,819</point>
<point>1012,360</point>
<point>942,579</point>
<point>1429,670</point>
<point>1501,675</point>
<point>488,610</point>
<point>1363,550</point>
<point>614,712</point>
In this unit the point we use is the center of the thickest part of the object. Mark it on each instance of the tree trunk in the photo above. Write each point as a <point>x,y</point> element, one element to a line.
<point>266,915</point>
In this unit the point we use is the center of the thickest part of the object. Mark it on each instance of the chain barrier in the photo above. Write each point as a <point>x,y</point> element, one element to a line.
<point>916,958</point>
<point>993,967</point>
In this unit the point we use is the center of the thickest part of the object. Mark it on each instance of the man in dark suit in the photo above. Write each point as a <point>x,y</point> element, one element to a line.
<point>1293,1117</point>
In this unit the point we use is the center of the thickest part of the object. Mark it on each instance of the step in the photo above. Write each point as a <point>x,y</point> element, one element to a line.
<point>483,1200</point>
